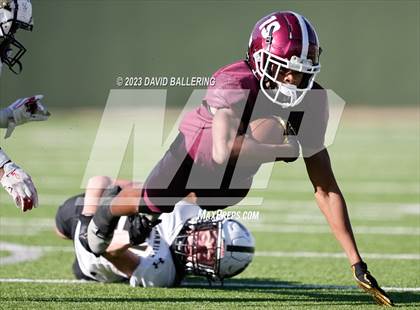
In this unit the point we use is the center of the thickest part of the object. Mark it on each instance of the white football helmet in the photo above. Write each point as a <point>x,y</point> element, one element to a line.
<point>238,249</point>
<point>228,253</point>
<point>14,14</point>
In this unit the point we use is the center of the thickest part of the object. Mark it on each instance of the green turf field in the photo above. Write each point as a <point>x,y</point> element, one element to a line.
<point>298,263</point>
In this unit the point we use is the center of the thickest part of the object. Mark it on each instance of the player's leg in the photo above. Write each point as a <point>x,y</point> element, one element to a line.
<point>95,190</point>
<point>142,204</point>
<point>126,202</point>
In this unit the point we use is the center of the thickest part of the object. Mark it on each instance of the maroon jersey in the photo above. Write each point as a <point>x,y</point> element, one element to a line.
<point>188,165</point>
<point>234,85</point>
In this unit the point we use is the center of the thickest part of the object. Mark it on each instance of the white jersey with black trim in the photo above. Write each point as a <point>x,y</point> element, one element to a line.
<point>157,268</point>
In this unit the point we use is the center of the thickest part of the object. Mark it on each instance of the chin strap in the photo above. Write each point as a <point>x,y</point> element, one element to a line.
<point>211,280</point>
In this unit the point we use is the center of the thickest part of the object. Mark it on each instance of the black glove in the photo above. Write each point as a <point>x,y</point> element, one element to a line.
<point>140,227</point>
<point>369,284</point>
<point>84,223</point>
<point>291,138</point>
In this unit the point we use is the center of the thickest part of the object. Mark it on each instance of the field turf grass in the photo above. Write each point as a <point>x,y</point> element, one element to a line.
<point>298,262</point>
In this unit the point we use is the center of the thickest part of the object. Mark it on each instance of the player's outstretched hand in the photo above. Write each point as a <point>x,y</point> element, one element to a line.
<point>19,185</point>
<point>26,110</point>
<point>369,284</point>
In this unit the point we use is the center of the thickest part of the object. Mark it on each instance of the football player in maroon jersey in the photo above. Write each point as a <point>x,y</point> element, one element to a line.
<point>214,158</point>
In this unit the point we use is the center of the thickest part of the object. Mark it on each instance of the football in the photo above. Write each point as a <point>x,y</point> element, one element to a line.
<point>268,130</point>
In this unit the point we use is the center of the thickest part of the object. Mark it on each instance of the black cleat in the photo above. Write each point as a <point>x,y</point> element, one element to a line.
<point>369,284</point>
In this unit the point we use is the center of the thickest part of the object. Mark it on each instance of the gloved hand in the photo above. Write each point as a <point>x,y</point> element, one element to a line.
<point>84,224</point>
<point>291,139</point>
<point>19,185</point>
<point>369,284</point>
<point>140,227</point>
<point>25,110</point>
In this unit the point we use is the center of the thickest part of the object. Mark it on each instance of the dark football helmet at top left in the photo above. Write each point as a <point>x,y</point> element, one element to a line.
<point>14,15</point>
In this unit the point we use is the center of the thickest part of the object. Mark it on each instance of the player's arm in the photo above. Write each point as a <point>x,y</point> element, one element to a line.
<point>226,143</point>
<point>94,193</point>
<point>93,199</point>
<point>331,202</point>
<point>95,189</point>
<point>123,259</point>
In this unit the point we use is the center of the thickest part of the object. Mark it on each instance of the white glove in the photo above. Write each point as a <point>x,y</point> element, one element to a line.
<point>19,185</point>
<point>25,110</point>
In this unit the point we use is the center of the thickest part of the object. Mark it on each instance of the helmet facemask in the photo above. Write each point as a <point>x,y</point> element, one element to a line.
<point>11,52</point>
<point>269,68</point>
<point>200,247</point>
<point>13,15</point>
<point>215,249</point>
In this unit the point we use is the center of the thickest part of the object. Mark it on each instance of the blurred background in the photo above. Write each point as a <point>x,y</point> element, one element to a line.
<point>78,48</point>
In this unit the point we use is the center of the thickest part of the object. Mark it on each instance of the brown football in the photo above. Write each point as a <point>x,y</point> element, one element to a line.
<point>267,130</point>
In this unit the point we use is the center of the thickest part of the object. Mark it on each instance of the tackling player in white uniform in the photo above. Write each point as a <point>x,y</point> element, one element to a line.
<point>180,244</point>
<point>14,15</point>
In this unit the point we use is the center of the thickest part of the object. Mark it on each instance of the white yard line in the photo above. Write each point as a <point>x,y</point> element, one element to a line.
<point>365,187</point>
<point>20,222</point>
<point>301,286</point>
<point>289,223</point>
<point>46,281</point>
<point>304,228</point>
<point>337,255</point>
<point>23,253</point>
<point>227,284</point>
<point>368,209</point>
<point>281,228</point>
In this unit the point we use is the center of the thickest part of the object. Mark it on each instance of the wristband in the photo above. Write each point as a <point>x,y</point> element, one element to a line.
<point>3,158</point>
